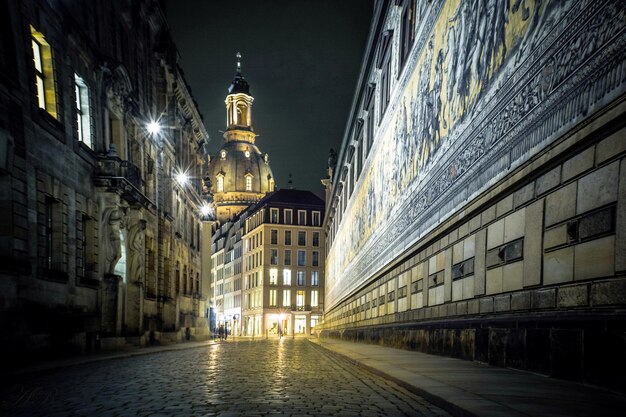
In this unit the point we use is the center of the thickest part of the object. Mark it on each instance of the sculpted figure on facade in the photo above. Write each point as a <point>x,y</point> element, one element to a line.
<point>112,222</point>
<point>136,246</point>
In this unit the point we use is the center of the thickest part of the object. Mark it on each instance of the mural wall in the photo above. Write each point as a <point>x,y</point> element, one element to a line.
<point>488,84</point>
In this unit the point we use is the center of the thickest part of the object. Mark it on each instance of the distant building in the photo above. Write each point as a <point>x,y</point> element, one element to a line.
<point>477,208</point>
<point>101,160</point>
<point>240,175</point>
<point>283,264</point>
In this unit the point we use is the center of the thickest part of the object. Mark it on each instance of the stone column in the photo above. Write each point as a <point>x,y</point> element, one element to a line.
<point>136,272</point>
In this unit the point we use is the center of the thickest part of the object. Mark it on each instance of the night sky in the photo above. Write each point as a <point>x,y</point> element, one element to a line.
<point>302,59</point>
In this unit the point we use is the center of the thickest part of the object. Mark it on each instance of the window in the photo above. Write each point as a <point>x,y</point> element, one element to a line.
<point>300,300</point>
<point>301,238</point>
<point>301,280</point>
<point>287,257</point>
<point>273,256</point>
<point>370,120</point>
<point>49,238</point>
<point>314,300</point>
<point>287,237</point>
<point>274,237</point>
<point>44,75</point>
<point>286,276</point>
<point>408,30</point>
<point>315,258</point>
<point>273,276</point>
<point>316,218</point>
<point>315,278</point>
<point>273,294</point>
<point>314,321</point>
<point>220,183</point>
<point>288,216</point>
<point>286,298</point>
<point>384,64</point>
<point>82,110</point>
<point>248,183</point>
<point>301,258</point>
<point>316,238</point>
<point>302,217</point>
<point>273,215</point>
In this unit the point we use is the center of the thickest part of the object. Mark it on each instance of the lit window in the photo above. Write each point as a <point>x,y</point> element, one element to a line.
<point>273,276</point>
<point>44,76</point>
<point>287,277</point>
<point>273,297</point>
<point>286,298</point>
<point>248,182</point>
<point>314,301</point>
<point>220,183</point>
<point>82,110</point>
<point>300,279</point>
<point>315,278</point>
<point>301,258</point>
<point>300,299</point>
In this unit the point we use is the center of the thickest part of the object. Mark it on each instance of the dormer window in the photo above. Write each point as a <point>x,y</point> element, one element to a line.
<point>223,154</point>
<point>220,183</point>
<point>248,182</point>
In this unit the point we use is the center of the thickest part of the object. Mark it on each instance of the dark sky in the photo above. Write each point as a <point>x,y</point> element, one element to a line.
<point>301,58</point>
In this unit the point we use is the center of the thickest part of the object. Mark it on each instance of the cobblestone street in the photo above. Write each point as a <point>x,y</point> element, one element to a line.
<point>247,378</point>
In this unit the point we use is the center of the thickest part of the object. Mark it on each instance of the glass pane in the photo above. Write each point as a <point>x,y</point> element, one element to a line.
<point>37,56</point>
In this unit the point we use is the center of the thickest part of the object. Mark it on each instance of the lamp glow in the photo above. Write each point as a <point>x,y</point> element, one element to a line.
<point>205,210</point>
<point>154,127</point>
<point>182,178</point>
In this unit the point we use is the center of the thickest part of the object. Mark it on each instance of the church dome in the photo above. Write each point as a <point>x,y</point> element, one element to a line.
<point>242,169</point>
<point>240,174</point>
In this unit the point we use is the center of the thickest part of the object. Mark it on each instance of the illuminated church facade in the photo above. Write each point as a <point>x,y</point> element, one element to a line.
<point>478,204</point>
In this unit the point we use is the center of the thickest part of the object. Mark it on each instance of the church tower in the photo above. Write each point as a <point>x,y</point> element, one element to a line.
<point>240,174</point>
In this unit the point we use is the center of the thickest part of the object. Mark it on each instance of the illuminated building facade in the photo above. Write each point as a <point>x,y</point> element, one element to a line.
<point>478,204</point>
<point>240,175</point>
<point>101,210</point>
<point>283,265</point>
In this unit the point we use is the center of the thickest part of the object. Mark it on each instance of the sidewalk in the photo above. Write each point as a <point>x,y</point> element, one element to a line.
<point>465,388</point>
<point>102,356</point>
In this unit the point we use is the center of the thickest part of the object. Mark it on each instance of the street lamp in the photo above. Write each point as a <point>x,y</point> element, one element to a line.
<point>154,127</point>
<point>182,178</point>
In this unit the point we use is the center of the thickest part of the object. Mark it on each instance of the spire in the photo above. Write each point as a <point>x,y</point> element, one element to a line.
<point>239,84</point>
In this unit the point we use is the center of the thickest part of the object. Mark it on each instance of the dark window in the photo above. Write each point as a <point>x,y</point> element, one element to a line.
<point>408,30</point>
<point>287,257</point>
<point>463,269</point>
<point>370,126</point>
<point>301,238</point>
<point>301,258</point>
<point>316,238</point>
<point>287,237</point>
<point>274,237</point>
<point>302,217</point>
<point>315,258</point>
<point>274,257</point>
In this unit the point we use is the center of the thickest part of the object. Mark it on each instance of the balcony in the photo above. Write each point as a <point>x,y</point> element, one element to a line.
<point>121,176</point>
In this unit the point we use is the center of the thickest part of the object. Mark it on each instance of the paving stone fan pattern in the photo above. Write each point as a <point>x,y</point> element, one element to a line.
<point>250,378</point>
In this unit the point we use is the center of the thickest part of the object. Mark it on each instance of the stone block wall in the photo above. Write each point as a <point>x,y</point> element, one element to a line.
<point>532,275</point>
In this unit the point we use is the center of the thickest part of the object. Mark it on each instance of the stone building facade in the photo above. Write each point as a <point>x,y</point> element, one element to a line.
<point>478,204</point>
<point>102,153</point>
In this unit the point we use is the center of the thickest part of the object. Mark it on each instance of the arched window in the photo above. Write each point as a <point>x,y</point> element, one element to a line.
<point>248,182</point>
<point>220,183</point>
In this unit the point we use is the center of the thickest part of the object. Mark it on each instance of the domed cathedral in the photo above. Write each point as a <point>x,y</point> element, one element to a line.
<point>240,175</point>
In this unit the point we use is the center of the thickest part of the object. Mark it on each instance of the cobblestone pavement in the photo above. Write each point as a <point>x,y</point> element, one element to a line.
<point>248,378</point>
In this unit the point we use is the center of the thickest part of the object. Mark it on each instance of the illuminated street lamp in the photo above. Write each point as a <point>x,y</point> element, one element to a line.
<point>154,128</point>
<point>205,210</point>
<point>182,178</point>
